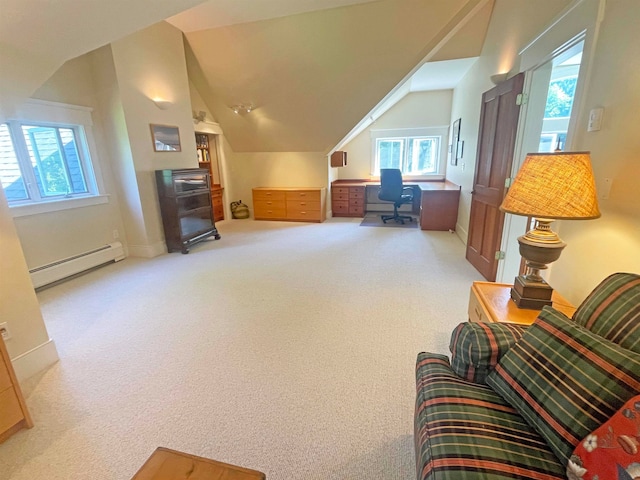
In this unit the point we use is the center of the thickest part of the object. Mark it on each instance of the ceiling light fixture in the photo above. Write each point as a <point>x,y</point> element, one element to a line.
<point>161,103</point>
<point>498,78</point>
<point>242,108</point>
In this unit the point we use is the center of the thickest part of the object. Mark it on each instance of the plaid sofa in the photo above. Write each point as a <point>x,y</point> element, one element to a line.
<point>498,411</point>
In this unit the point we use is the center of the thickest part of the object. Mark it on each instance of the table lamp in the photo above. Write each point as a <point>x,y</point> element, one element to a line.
<point>548,186</point>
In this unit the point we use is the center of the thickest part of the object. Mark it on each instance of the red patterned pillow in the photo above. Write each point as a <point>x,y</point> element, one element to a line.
<point>612,451</point>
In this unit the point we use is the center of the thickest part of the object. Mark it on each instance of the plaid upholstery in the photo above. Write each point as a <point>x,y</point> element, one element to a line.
<point>565,380</point>
<point>477,347</point>
<point>612,310</point>
<point>465,431</point>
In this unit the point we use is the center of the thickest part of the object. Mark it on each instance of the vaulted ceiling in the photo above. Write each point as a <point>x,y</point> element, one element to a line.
<point>37,37</point>
<point>312,76</point>
<point>312,68</point>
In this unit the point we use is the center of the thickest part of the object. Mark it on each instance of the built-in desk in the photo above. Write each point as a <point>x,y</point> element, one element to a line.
<point>435,202</point>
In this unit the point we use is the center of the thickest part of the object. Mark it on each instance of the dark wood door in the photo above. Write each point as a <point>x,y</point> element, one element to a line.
<point>496,143</point>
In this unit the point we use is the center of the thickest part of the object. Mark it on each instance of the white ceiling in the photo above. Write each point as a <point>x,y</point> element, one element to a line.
<point>442,75</point>
<point>221,13</point>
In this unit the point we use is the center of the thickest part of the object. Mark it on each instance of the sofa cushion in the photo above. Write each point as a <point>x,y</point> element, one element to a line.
<point>612,310</point>
<point>612,447</point>
<point>565,380</point>
<point>477,347</point>
<point>465,431</point>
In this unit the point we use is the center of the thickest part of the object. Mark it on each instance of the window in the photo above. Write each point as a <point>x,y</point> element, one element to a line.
<point>416,152</point>
<point>45,163</point>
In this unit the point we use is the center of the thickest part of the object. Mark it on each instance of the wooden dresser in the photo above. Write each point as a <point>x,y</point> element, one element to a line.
<point>13,409</point>
<point>348,200</point>
<point>306,204</point>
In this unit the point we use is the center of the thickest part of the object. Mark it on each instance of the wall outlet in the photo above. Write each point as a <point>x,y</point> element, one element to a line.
<point>4,330</point>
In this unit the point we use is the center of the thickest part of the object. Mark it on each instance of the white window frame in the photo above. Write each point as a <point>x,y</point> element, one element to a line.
<point>404,134</point>
<point>54,114</point>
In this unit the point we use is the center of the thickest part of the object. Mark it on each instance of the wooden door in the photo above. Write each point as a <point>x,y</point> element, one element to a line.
<point>496,143</point>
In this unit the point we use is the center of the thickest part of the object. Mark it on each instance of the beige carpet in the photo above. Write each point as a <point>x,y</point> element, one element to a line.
<point>284,347</point>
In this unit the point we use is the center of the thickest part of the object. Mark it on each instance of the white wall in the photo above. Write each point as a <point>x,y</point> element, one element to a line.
<point>272,169</point>
<point>48,237</point>
<point>151,64</point>
<point>612,243</point>
<point>419,109</point>
<point>18,303</point>
<point>596,248</point>
<point>513,24</point>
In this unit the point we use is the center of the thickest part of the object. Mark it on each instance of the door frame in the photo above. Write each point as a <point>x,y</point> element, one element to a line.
<point>578,21</point>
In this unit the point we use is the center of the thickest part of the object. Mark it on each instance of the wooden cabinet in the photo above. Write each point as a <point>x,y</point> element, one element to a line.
<point>208,159</point>
<point>292,204</point>
<point>339,159</point>
<point>14,414</point>
<point>491,302</point>
<point>439,205</point>
<point>216,202</point>
<point>348,201</point>
<point>186,207</point>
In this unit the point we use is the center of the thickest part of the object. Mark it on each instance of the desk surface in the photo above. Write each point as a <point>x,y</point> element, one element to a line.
<point>425,186</point>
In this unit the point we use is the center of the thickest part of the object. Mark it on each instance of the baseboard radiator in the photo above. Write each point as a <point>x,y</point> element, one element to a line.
<point>54,272</point>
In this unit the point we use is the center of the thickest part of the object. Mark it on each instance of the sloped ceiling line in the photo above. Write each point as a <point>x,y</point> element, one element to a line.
<point>313,76</point>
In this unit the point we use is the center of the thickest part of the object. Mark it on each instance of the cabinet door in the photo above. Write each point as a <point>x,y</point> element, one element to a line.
<point>191,202</point>
<point>195,222</point>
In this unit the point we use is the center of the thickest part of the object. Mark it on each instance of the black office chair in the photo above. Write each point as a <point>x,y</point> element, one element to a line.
<point>392,190</point>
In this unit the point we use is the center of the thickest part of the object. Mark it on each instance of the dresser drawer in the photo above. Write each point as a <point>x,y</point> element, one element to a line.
<point>341,197</point>
<point>302,205</point>
<point>276,195</point>
<point>356,202</point>
<point>313,195</point>
<point>10,408</point>
<point>218,213</point>
<point>356,211</point>
<point>269,209</point>
<point>340,208</point>
<point>476,311</point>
<point>5,379</point>
<point>305,216</point>
<point>356,192</point>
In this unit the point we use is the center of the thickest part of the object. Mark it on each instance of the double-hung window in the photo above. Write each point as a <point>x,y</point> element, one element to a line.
<point>48,163</point>
<point>418,152</point>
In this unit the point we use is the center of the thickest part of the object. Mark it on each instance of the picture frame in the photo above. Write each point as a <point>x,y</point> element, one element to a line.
<point>165,138</point>
<point>456,152</point>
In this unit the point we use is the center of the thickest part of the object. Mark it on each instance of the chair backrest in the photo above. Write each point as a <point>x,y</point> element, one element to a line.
<point>390,184</point>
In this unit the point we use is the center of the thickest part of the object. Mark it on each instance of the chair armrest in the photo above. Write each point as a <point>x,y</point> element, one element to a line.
<point>476,347</point>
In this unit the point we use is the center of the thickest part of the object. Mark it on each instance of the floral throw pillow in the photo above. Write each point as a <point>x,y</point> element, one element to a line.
<point>612,451</point>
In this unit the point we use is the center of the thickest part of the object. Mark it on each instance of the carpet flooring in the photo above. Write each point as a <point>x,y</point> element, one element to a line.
<point>375,220</point>
<point>287,348</point>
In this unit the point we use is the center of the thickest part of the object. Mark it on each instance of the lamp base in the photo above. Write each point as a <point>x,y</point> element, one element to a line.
<point>531,294</point>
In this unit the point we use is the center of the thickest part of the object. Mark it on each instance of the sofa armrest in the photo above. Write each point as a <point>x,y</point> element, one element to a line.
<point>476,347</point>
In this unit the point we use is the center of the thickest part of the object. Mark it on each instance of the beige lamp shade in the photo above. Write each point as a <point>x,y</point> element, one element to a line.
<point>554,185</point>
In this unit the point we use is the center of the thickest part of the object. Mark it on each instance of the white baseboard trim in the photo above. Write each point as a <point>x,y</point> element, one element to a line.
<point>35,360</point>
<point>148,251</point>
<point>462,233</point>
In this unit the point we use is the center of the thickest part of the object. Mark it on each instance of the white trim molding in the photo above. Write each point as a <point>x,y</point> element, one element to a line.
<point>35,360</point>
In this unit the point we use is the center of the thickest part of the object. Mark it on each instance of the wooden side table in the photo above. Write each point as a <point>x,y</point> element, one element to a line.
<point>166,464</point>
<point>491,302</point>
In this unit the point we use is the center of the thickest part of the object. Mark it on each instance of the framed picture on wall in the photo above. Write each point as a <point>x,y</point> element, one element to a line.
<point>165,138</point>
<point>456,148</point>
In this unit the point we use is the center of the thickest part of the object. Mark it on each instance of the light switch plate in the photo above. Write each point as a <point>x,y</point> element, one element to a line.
<point>595,119</point>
